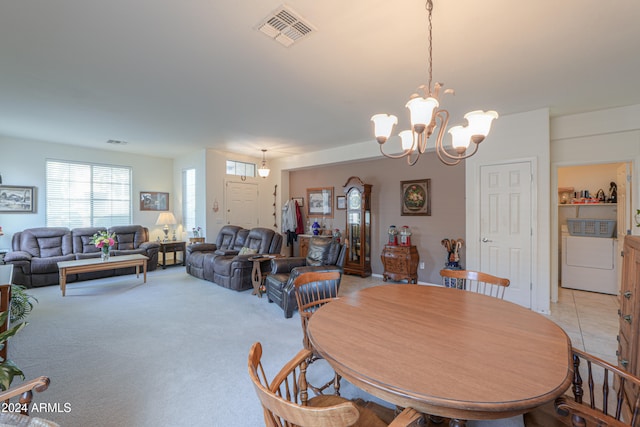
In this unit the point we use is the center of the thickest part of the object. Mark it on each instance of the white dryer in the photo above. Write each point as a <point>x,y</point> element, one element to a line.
<point>589,264</point>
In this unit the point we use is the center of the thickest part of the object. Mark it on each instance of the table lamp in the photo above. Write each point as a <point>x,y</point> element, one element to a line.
<point>166,219</point>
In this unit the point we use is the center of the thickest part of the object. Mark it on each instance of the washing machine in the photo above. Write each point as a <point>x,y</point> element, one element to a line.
<point>589,263</point>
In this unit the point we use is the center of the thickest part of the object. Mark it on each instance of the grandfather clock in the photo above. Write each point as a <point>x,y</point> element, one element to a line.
<point>358,232</point>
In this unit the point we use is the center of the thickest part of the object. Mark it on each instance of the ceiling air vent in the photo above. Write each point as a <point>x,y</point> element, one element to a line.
<point>285,26</point>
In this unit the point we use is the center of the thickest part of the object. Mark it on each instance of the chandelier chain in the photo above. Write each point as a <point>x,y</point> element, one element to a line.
<point>429,7</point>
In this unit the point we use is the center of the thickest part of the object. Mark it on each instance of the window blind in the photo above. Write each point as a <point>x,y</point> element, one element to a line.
<point>87,195</point>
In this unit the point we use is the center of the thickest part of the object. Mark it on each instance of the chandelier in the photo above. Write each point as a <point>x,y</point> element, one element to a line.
<point>263,170</point>
<point>424,111</point>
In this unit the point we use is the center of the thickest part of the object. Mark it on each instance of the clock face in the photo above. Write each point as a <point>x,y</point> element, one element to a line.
<point>354,199</point>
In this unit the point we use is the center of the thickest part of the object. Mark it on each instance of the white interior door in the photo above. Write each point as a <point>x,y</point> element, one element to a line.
<point>242,204</point>
<point>505,226</point>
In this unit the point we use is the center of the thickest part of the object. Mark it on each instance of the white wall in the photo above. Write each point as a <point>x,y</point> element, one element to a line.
<point>606,136</point>
<point>22,162</point>
<point>516,137</point>
<point>211,179</point>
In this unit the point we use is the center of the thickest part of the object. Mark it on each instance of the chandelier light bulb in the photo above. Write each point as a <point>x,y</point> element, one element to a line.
<point>480,121</point>
<point>460,138</point>
<point>407,140</point>
<point>382,126</point>
<point>421,112</point>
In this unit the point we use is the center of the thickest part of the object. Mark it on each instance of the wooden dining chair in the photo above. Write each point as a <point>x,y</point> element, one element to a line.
<point>313,290</point>
<point>25,391</point>
<point>476,281</point>
<point>285,400</point>
<point>598,397</point>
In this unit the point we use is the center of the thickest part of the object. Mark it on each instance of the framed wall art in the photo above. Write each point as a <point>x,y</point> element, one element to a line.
<point>320,202</point>
<point>416,197</point>
<point>341,202</point>
<point>299,200</point>
<point>154,201</point>
<point>15,198</point>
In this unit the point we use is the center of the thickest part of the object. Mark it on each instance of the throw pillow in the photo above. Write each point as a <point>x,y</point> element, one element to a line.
<point>247,251</point>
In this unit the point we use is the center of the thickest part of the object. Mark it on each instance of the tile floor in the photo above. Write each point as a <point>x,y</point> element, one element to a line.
<point>591,321</point>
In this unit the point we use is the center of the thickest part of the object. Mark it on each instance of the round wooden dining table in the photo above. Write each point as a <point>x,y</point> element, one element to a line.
<point>444,351</point>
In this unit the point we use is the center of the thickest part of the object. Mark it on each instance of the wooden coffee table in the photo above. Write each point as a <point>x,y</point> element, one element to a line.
<point>97,264</point>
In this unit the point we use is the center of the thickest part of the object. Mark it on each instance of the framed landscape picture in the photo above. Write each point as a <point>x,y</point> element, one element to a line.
<point>416,197</point>
<point>320,202</point>
<point>154,201</point>
<point>19,199</point>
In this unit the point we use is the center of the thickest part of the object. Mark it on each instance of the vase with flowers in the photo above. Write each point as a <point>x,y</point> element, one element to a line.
<point>196,231</point>
<point>104,241</point>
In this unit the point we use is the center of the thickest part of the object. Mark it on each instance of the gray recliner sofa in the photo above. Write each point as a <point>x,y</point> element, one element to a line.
<point>225,262</point>
<point>36,252</point>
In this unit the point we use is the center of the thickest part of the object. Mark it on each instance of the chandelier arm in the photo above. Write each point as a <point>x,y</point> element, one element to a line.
<point>405,153</point>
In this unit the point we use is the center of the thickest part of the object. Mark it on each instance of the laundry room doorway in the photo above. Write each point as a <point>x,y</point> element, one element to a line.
<point>593,217</point>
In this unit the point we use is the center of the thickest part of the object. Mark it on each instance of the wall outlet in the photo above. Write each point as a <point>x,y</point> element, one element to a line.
<point>422,266</point>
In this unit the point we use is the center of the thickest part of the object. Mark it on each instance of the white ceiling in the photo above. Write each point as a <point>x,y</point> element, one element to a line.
<point>173,76</point>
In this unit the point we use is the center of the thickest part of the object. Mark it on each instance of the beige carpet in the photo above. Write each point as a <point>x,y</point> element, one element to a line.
<point>172,352</point>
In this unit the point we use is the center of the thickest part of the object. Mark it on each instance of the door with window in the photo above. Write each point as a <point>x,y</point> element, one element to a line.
<point>506,226</point>
<point>242,204</point>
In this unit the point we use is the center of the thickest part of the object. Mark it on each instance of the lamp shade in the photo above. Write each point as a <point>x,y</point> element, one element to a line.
<point>480,121</point>
<point>264,171</point>
<point>460,138</point>
<point>166,218</point>
<point>421,110</point>
<point>406,136</point>
<point>383,125</point>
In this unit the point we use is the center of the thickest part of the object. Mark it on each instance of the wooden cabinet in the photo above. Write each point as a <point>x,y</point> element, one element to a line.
<point>358,229</point>
<point>629,312</point>
<point>400,263</point>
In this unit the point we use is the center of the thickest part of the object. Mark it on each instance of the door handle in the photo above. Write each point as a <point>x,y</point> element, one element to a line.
<point>485,240</point>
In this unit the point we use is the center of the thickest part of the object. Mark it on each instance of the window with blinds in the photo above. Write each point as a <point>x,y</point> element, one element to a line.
<point>189,199</point>
<point>87,195</point>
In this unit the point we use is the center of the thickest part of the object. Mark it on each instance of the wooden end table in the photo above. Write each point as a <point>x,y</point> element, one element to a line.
<point>174,247</point>
<point>257,279</point>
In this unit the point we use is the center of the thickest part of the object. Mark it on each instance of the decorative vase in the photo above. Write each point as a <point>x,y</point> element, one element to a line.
<point>105,253</point>
<point>316,228</point>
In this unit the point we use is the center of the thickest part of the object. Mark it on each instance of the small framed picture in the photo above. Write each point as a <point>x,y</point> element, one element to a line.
<point>416,197</point>
<point>299,200</point>
<point>341,202</point>
<point>320,202</point>
<point>154,201</point>
<point>18,199</point>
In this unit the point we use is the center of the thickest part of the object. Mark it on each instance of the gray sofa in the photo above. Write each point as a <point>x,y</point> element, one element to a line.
<point>36,252</point>
<point>224,262</point>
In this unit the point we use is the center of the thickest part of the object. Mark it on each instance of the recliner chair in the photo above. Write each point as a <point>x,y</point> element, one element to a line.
<point>324,255</point>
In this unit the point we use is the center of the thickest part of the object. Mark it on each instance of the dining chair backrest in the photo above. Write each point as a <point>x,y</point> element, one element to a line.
<point>476,281</point>
<point>286,403</point>
<point>605,401</point>
<point>284,399</point>
<point>313,290</point>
